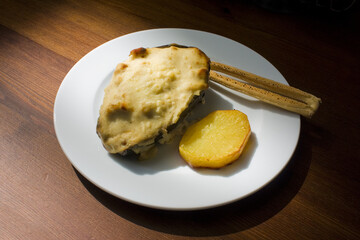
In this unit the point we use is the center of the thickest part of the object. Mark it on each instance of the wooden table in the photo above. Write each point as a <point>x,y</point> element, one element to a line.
<point>43,197</point>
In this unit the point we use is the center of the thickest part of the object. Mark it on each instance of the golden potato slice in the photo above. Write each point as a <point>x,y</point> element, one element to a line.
<point>216,140</point>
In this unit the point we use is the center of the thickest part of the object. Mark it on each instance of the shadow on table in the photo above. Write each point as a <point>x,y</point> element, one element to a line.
<point>236,217</point>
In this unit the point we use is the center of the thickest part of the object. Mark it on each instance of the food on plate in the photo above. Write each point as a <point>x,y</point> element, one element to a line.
<point>216,140</point>
<point>155,89</point>
<point>149,96</point>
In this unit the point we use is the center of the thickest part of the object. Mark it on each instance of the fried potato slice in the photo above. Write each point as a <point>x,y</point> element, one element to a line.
<point>217,140</point>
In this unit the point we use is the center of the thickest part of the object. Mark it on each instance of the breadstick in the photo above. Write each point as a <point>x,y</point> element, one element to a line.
<point>268,84</point>
<point>264,95</point>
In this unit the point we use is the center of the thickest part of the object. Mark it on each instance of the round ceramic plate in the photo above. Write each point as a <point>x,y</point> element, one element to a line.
<point>166,181</point>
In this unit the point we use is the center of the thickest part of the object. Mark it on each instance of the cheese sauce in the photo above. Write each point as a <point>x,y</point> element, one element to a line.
<point>147,93</point>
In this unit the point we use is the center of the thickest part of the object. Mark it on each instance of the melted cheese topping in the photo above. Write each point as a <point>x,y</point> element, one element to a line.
<point>147,93</point>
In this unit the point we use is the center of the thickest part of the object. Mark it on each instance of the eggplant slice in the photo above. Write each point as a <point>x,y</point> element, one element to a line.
<point>149,97</point>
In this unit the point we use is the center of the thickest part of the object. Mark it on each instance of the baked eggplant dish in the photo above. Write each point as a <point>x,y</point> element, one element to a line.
<point>149,97</point>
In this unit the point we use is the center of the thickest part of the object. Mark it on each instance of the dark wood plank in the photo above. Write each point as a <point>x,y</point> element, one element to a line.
<point>39,188</point>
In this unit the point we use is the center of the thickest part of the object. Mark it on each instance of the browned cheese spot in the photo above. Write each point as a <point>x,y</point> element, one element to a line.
<point>139,52</point>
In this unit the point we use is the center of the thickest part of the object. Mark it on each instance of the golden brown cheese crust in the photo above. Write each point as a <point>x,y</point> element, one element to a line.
<point>148,93</point>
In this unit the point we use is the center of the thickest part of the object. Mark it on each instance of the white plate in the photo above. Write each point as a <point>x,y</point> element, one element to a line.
<point>167,182</point>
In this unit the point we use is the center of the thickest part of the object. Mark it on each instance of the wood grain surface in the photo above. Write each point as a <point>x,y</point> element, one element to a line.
<point>43,197</point>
